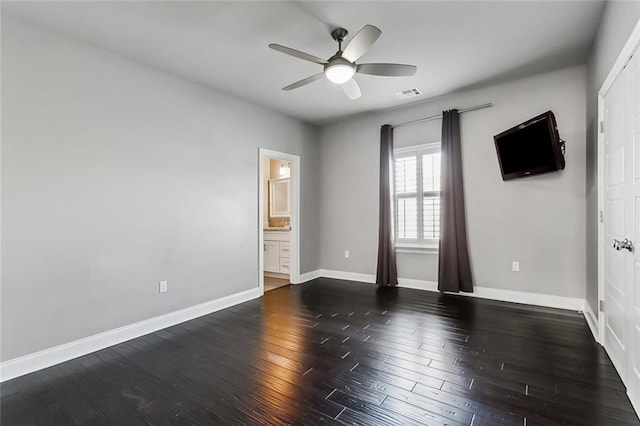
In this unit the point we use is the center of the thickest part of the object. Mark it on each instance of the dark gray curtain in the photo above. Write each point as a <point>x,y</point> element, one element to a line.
<point>454,268</point>
<point>387,274</point>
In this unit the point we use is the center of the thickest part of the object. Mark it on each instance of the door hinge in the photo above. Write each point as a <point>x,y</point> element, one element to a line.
<point>601,216</point>
<point>602,127</point>
<point>601,306</point>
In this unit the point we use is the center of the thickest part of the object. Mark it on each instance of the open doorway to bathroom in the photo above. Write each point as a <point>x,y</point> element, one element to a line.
<point>278,228</point>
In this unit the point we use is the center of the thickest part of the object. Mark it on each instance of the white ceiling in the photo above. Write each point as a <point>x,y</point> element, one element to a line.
<point>223,44</point>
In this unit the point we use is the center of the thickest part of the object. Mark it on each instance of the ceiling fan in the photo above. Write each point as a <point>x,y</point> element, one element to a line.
<point>341,67</point>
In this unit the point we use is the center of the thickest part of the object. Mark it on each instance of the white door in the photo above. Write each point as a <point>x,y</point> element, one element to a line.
<point>617,213</point>
<point>621,336</point>
<point>631,133</point>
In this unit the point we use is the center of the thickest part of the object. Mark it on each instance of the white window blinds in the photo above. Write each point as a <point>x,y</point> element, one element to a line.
<point>417,195</point>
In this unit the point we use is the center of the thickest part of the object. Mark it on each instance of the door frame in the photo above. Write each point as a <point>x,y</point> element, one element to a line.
<point>294,188</point>
<point>631,46</point>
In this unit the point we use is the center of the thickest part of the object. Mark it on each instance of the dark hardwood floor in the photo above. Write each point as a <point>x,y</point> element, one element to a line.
<point>338,352</point>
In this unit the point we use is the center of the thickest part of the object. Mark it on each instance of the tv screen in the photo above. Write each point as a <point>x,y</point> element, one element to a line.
<point>530,148</point>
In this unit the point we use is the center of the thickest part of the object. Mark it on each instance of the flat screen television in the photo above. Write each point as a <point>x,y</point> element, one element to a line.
<point>530,148</point>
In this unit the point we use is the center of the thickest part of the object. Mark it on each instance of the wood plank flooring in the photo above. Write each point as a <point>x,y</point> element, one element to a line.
<point>271,283</point>
<point>337,352</point>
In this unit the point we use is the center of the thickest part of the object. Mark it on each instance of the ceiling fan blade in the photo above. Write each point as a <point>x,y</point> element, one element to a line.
<point>388,70</point>
<point>297,54</point>
<point>361,42</point>
<point>304,81</point>
<point>351,89</point>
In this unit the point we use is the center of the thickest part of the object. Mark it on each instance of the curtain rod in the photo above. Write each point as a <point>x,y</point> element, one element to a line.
<point>436,117</point>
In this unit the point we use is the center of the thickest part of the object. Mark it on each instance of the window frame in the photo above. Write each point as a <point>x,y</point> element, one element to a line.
<point>420,244</point>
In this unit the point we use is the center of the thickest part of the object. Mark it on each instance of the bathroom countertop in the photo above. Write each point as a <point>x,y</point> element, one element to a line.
<point>277,228</point>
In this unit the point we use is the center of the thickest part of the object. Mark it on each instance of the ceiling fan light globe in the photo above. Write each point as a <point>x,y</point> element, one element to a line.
<point>339,73</point>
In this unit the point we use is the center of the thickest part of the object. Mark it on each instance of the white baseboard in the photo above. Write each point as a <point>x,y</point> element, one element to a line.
<point>592,321</point>
<point>46,358</point>
<point>418,284</point>
<point>308,276</point>
<point>349,276</point>
<point>548,300</point>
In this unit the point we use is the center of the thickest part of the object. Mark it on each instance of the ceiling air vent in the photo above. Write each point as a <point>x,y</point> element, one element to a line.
<point>409,93</point>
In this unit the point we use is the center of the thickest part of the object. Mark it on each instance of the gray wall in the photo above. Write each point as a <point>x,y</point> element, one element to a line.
<point>538,221</point>
<point>617,23</point>
<point>116,176</point>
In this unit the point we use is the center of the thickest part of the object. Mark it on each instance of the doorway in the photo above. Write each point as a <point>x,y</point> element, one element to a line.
<point>278,219</point>
<point>619,233</point>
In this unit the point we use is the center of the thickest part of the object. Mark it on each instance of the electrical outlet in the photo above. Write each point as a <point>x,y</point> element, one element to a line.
<point>346,254</point>
<point>515,266</point>
<point>162,286</point>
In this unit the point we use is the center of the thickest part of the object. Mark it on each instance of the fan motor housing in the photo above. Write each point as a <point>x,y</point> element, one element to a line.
<point>338,60</point>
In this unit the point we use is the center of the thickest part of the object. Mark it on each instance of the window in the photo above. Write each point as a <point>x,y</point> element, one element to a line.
<point>417,195</point>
